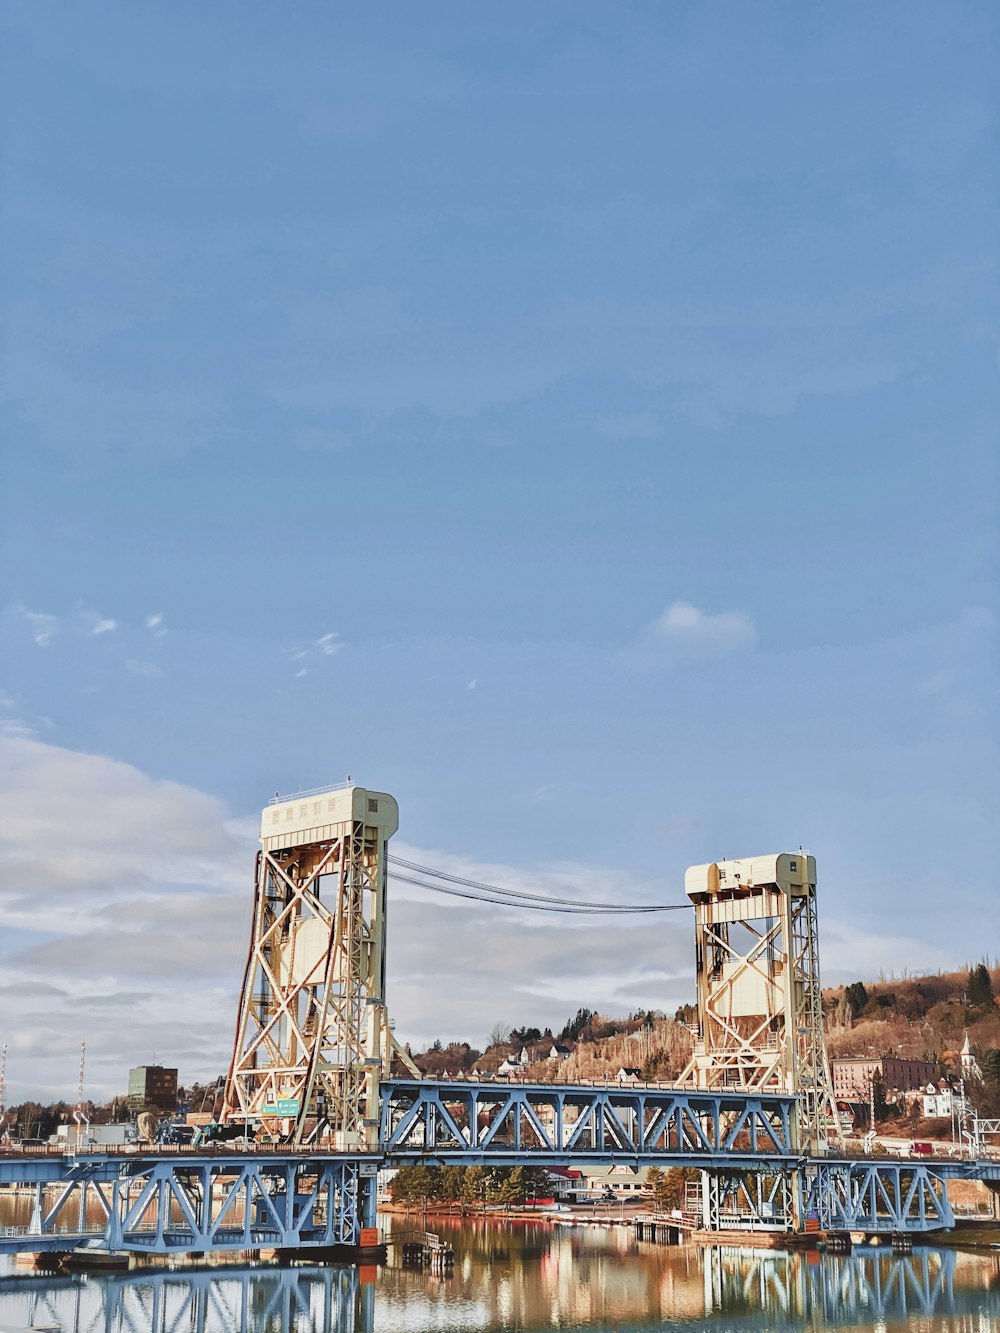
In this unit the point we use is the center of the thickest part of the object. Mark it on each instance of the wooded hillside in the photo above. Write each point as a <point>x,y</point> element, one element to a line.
<point>925,1017</point>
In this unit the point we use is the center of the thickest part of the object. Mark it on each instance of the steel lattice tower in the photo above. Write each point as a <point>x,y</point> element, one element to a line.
<point>312,1036</point>
<point>760,1005</point>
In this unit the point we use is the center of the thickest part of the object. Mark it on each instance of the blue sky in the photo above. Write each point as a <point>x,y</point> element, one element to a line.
<point>577,420</point>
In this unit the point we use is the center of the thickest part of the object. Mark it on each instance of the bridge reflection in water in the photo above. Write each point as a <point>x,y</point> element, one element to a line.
<point>209,1300</point>
<point>756,1287</point>
<point>869,1284</point>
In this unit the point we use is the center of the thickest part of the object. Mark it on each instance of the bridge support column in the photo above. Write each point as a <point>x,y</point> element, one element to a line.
<point>750,1200</point>
<point>797,1201</point>
<point>367,1186</point>
<point>35,1225</point>
<point>114,1227</point>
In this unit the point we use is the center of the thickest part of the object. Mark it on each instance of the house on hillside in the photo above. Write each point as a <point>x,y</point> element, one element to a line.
<point>557,1052</point>
<point>938,1099</point>
<point>629,1074</point>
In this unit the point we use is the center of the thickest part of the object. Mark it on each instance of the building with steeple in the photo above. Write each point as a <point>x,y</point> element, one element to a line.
<point>970,1065</point>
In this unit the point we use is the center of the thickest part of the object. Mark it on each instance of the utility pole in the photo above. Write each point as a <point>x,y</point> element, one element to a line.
<point>3,1076</point>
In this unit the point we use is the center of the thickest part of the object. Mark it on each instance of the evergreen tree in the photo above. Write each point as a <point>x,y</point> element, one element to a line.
<point>452,1183</point>
<point>654,1183</point>
<point>576,1025</point>
<point>668,1187</point>
<point>514,1189</point>
<point>856,995</point>
<point>417,1184</point>
<point>536,1183</point>
<point>475,1185</point>
<point>878,1095</point>
<point>980,988</point>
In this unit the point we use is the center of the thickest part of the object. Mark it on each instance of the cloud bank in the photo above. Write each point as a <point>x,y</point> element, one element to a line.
<point>125,908</point>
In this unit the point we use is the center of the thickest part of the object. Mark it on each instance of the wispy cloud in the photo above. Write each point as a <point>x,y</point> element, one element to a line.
<point>327,645</point>
<point>472,684</point>
<point>684,631</point>
<point>17,721</point>
<point>543,793</point>
<point>92,623</point>
<point>154,623</point>
<point>43,627</point>
<point>148,670</point>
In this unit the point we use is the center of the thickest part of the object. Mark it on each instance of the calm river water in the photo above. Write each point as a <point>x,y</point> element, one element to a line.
<point>531,1276</point>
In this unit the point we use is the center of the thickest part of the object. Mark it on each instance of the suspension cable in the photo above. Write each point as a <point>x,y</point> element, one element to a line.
<point>502,897</point>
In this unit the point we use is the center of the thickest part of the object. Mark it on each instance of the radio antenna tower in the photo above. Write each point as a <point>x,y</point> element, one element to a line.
<point>760,1004</point>
<point>3,1080</point>
<point>78,1114</point>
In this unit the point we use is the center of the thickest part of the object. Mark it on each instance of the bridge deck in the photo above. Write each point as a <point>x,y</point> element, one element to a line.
<point>245,1196</point>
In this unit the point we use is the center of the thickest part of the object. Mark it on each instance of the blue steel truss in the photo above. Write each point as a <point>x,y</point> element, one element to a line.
<point>877,1196</point>
<point>469,1123</point>
<point>870,1196</point>
<point>206,1201</point>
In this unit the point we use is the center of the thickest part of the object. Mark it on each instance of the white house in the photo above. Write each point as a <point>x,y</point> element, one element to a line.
<point>938,1100</point>
<point>619,1182</point>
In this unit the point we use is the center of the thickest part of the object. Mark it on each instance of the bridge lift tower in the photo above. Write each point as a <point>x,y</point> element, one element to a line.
<point>760,1006</point>
<point>312,1035</point>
